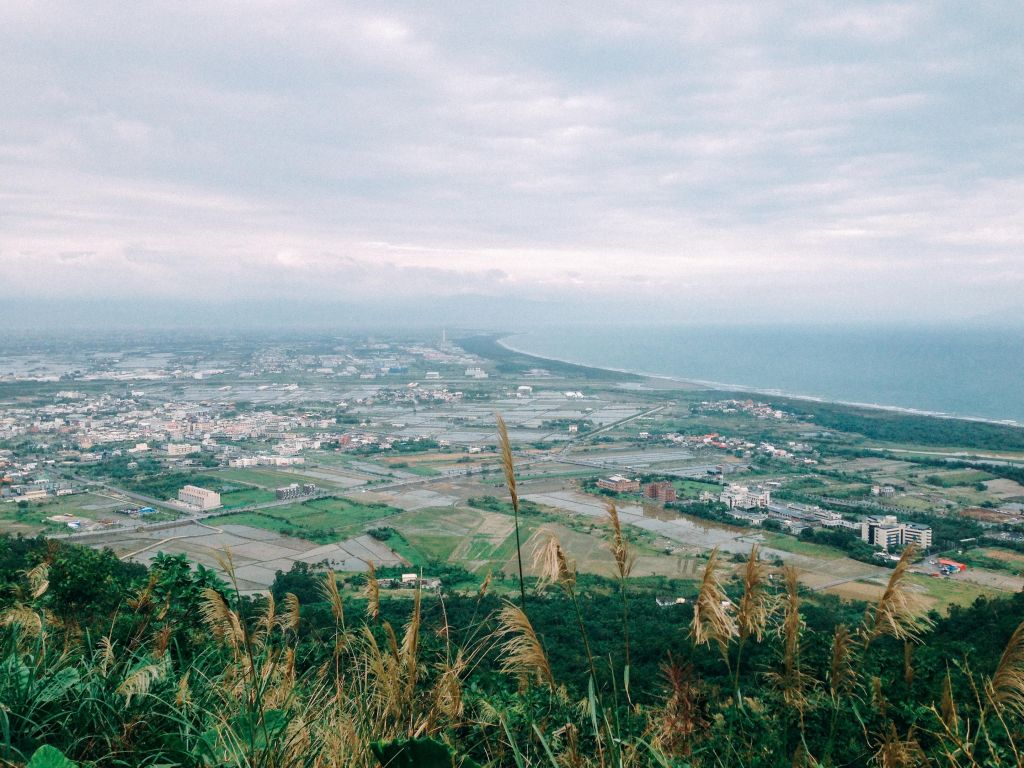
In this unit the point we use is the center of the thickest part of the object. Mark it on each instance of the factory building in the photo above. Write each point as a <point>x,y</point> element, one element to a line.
<point>199,498</point>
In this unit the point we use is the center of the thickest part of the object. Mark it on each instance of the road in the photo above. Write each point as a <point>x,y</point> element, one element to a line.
<point>453,474</point>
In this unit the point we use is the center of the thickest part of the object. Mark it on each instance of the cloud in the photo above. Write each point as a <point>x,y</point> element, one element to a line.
<point>791,155</point>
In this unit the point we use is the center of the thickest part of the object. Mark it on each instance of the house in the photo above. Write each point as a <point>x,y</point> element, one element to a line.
<point>619,484</point>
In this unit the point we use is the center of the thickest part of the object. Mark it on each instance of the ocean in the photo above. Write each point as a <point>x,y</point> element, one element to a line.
<point>973,373</point>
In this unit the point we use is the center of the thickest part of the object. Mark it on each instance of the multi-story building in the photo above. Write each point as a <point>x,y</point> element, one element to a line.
<point>887,532</point>
<point>883,531</point>
<point>663,491</point>
<point>295,491</point>
<point>742,497</point>
<point>826,517</point>
<point>181,449</point>
<point>619,484</point>
<point>919,534</point>
<point>200,498</point>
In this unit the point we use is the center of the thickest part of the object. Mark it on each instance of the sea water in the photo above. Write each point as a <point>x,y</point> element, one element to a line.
<point>975,373</point>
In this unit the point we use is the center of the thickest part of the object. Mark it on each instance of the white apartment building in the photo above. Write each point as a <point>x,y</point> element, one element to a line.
<point>742,497</point>
<point>887,532</point>
<point>200,498</point>
<point>181,449</point>
<point>916,533</point>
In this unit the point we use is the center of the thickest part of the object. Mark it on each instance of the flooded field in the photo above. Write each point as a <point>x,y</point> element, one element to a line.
<point>257,554</point>
<point>697,535</point>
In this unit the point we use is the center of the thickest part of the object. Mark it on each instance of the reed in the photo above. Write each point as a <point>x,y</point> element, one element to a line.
<point>712,622</point>
<point>899,612</point>
<point>1006,689</point>
<point>624,559</point>
<point>521,651</point>
<point>755,608</point>
<point>508,467</point>
<point>371,591</point>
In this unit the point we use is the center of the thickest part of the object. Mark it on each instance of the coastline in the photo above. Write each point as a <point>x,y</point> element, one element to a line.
<point>742,389</point>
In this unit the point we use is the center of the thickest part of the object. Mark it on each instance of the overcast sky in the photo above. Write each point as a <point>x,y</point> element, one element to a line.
<point>799,160</point>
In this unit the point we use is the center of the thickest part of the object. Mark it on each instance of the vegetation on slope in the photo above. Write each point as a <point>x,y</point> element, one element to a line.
<point>109,664</point>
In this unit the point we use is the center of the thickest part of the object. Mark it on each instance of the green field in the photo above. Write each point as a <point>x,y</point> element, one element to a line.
<point>419,469</point>
<point>691,489</point>
<point>801,547</point>
<point>947,592</point>
<point>244,497</point>
<point>264,478</point>
<point>434,547</point>
<point>319,520</point>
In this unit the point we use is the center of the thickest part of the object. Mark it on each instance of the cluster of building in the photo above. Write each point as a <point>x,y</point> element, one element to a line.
<point>736,445</point>
<point>22,480</point>
<point>412,394</point>
<point>263,460</point>
<point>749,407</point>
<point>411,581</point>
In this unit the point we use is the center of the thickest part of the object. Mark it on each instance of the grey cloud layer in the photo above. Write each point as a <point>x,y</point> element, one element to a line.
<point>860,155</point>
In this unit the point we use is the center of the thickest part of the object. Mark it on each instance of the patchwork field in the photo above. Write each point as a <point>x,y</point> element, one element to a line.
<point>319,520</point>
<point>474,538</point>
<point>257,554</point>
<point>1016,559</point>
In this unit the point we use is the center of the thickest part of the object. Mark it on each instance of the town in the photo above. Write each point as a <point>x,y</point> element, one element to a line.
<point>348,452</point>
